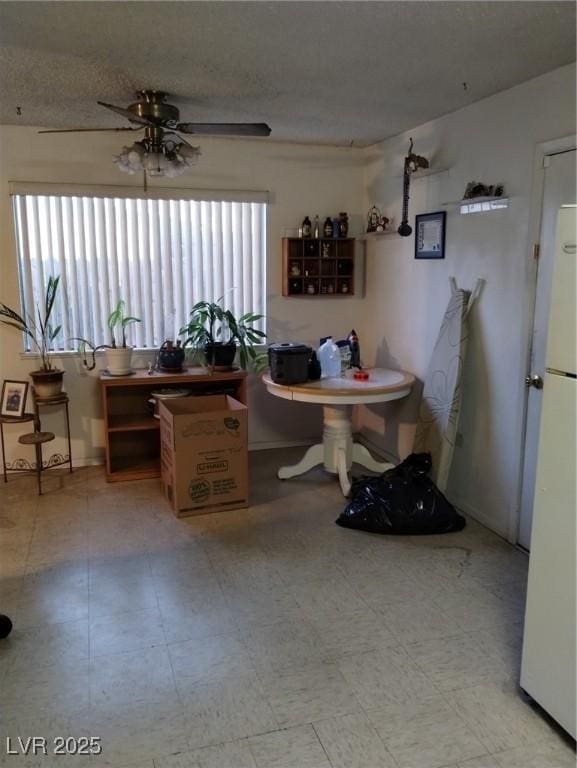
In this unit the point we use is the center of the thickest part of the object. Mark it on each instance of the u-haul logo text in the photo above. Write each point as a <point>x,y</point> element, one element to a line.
<point>207,467</point>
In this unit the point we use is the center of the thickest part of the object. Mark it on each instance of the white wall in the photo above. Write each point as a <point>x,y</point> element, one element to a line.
<point>492,141</point>
<point>301,180</point>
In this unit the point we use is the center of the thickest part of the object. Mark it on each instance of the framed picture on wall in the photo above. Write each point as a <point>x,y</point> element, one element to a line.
<point>13,400</point>
<point>430,235</point>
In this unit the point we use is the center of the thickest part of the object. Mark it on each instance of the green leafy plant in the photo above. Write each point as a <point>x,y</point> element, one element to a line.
<point>117,321</point>
<point>37,328</point>
<point>211,324</point>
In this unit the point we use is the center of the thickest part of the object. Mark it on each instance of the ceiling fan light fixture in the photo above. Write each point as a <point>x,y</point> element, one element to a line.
<point>155,163</point>
<point>164,159</point>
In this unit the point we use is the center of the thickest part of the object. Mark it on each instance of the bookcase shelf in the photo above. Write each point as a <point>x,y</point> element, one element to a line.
<point>132,434</point>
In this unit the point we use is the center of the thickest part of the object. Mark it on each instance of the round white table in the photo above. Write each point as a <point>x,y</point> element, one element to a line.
<point>337,452</point>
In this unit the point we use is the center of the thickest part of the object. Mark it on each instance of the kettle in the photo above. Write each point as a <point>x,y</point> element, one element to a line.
<point>170,357</point>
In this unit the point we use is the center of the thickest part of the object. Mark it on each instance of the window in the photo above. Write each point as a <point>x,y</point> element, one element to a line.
<point>161,255</point>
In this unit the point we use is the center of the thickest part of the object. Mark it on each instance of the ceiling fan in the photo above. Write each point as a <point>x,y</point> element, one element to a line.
<point>157,153</point>
<point>152,111</point>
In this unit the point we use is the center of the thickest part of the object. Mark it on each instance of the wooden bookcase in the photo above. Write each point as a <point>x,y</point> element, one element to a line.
<point>132,434</point>
<point>318,267</point>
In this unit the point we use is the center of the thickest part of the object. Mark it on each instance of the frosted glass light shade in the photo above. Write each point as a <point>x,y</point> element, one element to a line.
<point>170,163</point>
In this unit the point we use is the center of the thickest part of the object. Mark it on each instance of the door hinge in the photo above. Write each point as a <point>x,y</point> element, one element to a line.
<point>536,250</point>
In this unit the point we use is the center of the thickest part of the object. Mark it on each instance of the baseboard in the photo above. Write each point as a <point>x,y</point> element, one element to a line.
<point>257,446</point>
<point>461,504</point>
<point>266,445</point>
<point>373,447</point>
<point>77,463</point>
<point>480,517</point>
<point>378,450</point>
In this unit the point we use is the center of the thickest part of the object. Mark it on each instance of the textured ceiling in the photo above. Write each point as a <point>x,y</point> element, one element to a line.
<point>328,72</point>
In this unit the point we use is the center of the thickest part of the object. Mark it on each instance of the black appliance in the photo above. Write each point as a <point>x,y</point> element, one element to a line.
<point>289,363</point>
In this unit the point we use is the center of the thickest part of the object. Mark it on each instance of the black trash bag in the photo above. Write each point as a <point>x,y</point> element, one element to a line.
<point>403,500</point>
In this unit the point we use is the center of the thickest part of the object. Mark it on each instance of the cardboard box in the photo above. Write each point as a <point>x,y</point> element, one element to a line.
<point>204,453</point>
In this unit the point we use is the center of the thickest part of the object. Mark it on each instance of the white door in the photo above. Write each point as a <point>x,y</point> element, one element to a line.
<point>559,190</point>
<point>562,332</point>
<point>549,640</point>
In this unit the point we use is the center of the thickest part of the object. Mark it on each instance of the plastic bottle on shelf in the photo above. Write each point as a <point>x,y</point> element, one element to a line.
<point>316,231</point>
<point>330,359</point>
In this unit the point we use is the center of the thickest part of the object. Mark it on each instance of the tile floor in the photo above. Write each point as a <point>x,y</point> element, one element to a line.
<point>267,638</point>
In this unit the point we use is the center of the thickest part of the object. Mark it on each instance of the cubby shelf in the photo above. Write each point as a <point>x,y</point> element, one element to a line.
<point>323,267</point>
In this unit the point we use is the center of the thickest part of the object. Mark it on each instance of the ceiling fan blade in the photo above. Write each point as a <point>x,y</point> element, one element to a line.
<point>225,129</point>
<point>126,113</point>
<point>85,130</point>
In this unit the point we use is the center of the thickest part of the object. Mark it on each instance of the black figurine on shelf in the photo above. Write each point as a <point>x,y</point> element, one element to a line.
<point>353,340</point>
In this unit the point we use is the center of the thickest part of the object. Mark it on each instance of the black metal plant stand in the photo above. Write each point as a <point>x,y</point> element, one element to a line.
<point>36,438</point>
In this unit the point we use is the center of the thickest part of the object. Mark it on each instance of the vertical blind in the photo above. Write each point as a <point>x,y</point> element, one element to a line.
<point>160,256</point>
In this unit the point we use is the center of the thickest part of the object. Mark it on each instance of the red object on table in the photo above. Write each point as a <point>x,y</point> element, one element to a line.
<point>361,375</point>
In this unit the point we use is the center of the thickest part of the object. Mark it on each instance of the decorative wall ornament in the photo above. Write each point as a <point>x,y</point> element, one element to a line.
<point>373,218</point>
<point>430,235</point>
<point>412,163</point>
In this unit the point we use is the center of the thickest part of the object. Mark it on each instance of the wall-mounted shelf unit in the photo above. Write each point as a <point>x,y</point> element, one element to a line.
<point>479,204</point>
<point>423,173</point>
<point>323,267</point>
<point>378,235</point>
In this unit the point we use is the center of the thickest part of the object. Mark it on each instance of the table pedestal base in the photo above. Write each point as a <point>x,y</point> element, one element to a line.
<point>337,452</point>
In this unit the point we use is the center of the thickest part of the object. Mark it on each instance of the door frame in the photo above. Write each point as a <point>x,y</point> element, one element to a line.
<point>542,150</point>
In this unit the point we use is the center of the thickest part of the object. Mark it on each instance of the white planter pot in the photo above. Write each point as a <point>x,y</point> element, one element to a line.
<point>118,361</point>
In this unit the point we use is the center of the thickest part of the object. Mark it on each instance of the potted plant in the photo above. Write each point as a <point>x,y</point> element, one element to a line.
<point>118,355</point>
<point>47,379</point>
<point>220,334</point>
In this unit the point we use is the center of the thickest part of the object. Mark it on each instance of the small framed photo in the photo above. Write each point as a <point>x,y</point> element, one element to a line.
<point>430,235</point>
<point>13,398</point>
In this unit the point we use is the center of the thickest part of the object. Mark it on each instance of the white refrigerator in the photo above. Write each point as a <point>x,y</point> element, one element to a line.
<point>548,670</point>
